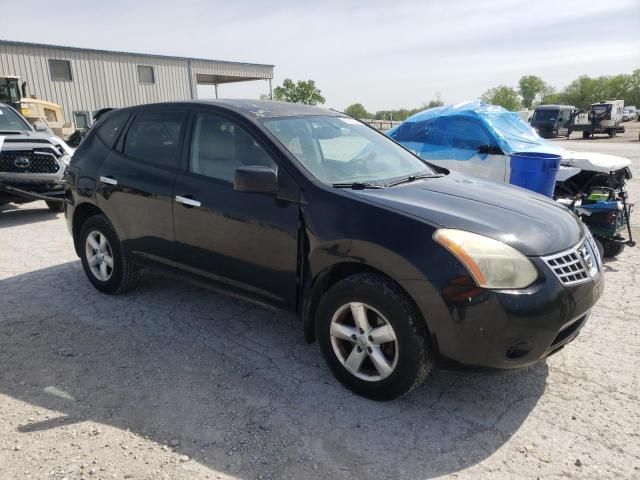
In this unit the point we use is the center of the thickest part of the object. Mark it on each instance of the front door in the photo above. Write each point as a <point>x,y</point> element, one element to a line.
<point>453,143</point>
<point>245,240</point>
<point>135,182</point>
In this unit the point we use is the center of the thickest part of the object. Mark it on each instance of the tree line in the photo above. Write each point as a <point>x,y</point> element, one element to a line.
<point>358,110</point>
<point>531,91</point>
<point>582,92</point>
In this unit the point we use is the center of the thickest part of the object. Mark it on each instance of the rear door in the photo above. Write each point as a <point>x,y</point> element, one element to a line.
<point>135,182</point>
<point>245,240</point>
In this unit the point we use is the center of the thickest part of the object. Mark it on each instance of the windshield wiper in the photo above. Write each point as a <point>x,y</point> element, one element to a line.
<point>356,185</point>
<point>413,178</point>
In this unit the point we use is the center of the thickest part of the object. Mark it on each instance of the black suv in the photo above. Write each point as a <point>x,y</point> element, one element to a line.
<point>393,265</point>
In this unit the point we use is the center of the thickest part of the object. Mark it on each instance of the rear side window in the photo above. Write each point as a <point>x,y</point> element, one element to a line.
<point>154,137</point>
<point>108,128</point>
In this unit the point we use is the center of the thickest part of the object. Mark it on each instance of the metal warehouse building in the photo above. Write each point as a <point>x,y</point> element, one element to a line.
<point>82,80</point>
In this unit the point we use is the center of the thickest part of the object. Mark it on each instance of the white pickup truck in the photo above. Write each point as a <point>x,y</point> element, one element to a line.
<point>32,163</point>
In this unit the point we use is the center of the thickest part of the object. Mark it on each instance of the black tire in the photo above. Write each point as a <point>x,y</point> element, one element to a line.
<point>124,274</point>
<point>612,132</point>
<point>414,353</point>
<point>55,206</point>
<point>612,249</point>
<point>586,135</point>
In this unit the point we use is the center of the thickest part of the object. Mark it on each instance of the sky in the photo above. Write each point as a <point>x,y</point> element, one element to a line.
<point>383,54</point>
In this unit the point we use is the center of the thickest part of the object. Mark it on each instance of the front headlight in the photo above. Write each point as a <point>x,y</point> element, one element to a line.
<point>491,263</point>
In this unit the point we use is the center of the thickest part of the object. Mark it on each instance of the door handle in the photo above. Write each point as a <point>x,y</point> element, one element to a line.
<point>189,202</point>
<point>109,180</point>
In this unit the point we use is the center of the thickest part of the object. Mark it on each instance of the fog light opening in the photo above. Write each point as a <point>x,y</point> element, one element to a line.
<point>518,350</point>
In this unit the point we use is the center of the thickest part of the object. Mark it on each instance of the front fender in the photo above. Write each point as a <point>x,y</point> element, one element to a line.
<point>324,257</point>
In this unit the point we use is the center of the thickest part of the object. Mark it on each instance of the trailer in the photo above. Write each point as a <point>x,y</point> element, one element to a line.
<point>601,118</point>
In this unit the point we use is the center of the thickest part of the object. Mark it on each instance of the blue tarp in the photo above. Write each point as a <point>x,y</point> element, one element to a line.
<point>461,128</point>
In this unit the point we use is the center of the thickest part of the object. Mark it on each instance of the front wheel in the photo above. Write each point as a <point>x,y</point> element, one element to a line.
<point>612,249</point>
<point>103,259</point>
<point>586,135</point>
<point>372,337</point>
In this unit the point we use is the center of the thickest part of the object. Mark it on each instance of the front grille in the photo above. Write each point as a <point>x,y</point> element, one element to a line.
<point>28,162</point>
<point>576,265</point>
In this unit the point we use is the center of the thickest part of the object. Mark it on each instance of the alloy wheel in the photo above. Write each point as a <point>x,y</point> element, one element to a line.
<point>364,341</point>
<point>99,255</point>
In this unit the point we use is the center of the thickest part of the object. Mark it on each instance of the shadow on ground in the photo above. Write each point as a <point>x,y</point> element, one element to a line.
<point>13,216</point>
<point>234,384</point>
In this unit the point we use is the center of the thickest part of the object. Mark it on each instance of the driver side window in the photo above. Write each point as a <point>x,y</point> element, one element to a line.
<point>467,134</point>
<point>219,146</point>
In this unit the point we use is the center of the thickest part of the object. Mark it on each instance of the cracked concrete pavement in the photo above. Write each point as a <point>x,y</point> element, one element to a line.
<point>174,381</point>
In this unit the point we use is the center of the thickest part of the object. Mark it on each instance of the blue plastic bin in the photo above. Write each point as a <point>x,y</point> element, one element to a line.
<point>535,171</point>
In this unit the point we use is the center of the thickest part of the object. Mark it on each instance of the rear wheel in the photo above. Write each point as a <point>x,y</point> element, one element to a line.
<point>372,337</point>
<point>103,260</point>
<point>55,206</point>
<point>612,132</point>
<point>586,135</point>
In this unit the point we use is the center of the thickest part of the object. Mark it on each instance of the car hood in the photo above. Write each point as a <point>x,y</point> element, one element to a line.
<point>531,223</point>
<point>25,136</point>
<point>594,162</point>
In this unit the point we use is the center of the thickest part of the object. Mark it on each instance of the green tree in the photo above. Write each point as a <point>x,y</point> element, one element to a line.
<point>530,87</point>
<point>434,103</point>
<point>502,95</point>
<point>547,93</point>
<point>358,111</point>
<point>633,97</point>
<point>298,92</point>
<point>403,113</point>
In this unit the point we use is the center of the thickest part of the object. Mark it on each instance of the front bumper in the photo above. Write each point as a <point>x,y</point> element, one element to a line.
<point>547,132</point>
<point>514,329</point>
<point>29,191</point>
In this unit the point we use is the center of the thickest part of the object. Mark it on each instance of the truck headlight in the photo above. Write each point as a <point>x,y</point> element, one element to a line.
<point>491,263</point>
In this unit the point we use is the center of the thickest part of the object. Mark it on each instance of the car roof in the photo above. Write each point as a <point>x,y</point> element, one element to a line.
<point>553,107</point>
<point>250,108</point>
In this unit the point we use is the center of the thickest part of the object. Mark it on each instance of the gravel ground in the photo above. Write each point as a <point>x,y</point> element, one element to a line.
<point>173,381</point>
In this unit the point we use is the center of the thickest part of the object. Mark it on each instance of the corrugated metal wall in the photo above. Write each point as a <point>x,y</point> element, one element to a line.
<point>105,79</point>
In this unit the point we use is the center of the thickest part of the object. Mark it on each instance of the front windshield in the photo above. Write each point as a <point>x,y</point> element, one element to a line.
<point>343,150</point>
<point>545,115</point>
<point>10,121</point>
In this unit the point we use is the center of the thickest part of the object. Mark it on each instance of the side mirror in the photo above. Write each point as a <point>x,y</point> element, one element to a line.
<point>490,150</point>
<point>40,126</point>
<point>255,179</point>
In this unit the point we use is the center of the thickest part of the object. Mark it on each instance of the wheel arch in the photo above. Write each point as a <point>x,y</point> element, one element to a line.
<point>81,214</point>
<point>333,274</point>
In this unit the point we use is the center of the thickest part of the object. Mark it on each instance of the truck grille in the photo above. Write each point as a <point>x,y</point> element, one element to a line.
<point>28,162</point>
<point>576,265</point>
